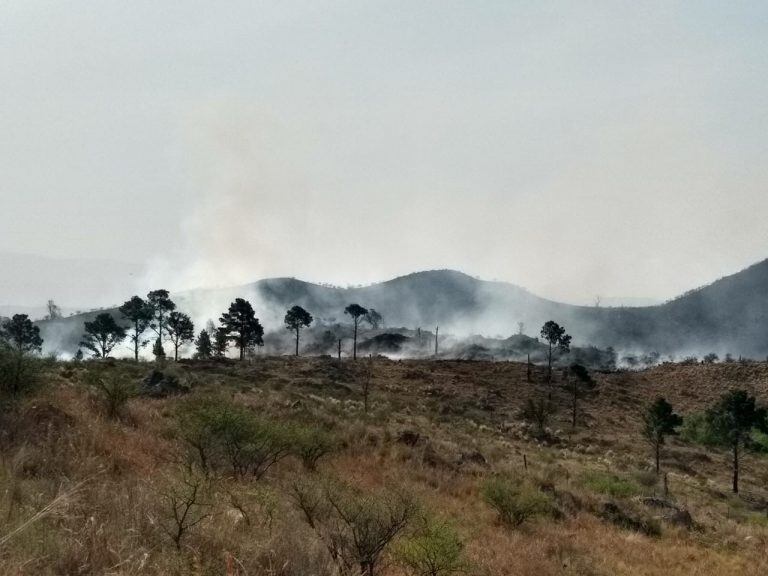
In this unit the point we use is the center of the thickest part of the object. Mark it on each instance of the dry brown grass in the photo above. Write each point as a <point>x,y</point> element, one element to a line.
<point>467,418</point>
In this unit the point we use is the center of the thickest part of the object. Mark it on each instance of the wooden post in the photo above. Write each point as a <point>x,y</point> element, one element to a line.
<point>666,485</point>
<point>525,462</point>
<point>437,332</point>
<point>339,350</point>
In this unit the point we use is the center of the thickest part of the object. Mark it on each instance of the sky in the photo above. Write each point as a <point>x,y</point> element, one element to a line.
<point>574,148</point>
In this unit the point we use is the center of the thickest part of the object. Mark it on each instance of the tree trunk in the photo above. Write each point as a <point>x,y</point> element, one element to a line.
<point>736,467</point>
<point>354,343</point>
<point>549,366</point>
<point>575,400</point>
<point>175,352</point>
<point>136,341</point>
<point>528,369</point>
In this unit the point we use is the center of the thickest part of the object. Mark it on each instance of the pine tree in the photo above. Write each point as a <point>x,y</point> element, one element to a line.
<point>203,345</point>
<point>180,330</point>
<point>659,421</point>
<point>241,326</point>
<point>21,334</point>
<point>140,314</point>
<point>295,319</point>
<point>358,313</point>
<point>102,335</point>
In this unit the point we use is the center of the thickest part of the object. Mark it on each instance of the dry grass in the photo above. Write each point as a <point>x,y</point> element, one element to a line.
<point>110,476</point>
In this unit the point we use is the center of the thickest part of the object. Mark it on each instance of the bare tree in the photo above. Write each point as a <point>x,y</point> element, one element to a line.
<point>185,508</point>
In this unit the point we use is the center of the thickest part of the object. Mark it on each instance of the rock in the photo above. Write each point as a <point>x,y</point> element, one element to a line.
<point>611,512</point>
<point>474,457</point>
<point>158,384</point>
<point>669,512</point>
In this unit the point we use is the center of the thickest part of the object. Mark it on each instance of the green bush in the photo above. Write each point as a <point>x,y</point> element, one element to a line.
<point>310,444</point>
<point>433,549</point>
<point>515,501</point>
<point>697,430</point>
<point>610,484</point>
<point>19,373</point>
<point>222,434</point>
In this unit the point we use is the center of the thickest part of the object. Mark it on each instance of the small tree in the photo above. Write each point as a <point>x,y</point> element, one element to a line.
<point>358,314</point>
<point>295,319</point>
<point>203,346</point>
<point>139,313</point>
<point>732,420</point>
<point>357,526</point>
<point>220,343</point>
<point>241,326</point>
<point>20,334</point>
<point>538,412</point>
<point>180,331</point>
<point>659,421</point>
<point>556,337</point>
<point>162,305</point>
<point>185,508</point>
<point>102,335</point>
<point>374,319</point>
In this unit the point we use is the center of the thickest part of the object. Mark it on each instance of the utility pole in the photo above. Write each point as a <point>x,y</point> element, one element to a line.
<point>437,333</point>
<point>528,369</point>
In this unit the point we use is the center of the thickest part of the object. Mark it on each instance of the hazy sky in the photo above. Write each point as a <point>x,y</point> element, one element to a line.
<point>575,148</point>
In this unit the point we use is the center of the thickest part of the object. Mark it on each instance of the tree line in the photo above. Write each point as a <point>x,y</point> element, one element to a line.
<point>156,320</point>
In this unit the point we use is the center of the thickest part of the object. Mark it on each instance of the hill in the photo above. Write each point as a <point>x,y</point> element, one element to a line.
<point>727,316</point>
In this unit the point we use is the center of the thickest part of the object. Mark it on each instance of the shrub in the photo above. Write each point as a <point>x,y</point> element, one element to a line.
<point>184,508</point>
<point>222,434</point>
<point>538,413</point>
<point>610,484</point>
<point>18,373</point>
<point>697,430</point>
<point>311,444</point>
<point>114,390</point>
<point>515,501</point>
<point>356,525</point>
<point>433,549</point>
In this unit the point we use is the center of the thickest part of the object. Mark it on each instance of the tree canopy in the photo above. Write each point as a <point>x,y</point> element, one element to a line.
<point>241,326</point>
<point>21,334</point>
<point>102,335</point>
<point>731,421</point>
<point>180,330</point>
<point>358,313</point>
<point>162,305</point>
<point>295,319</point>
<point>203,346</point>
<point>140,314</point>
<point>659,421</point>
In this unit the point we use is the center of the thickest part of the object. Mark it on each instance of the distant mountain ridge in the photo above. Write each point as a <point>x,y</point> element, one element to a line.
<point>729,315</point>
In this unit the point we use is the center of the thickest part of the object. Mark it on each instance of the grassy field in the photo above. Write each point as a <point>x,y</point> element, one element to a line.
<point>292,466</point>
